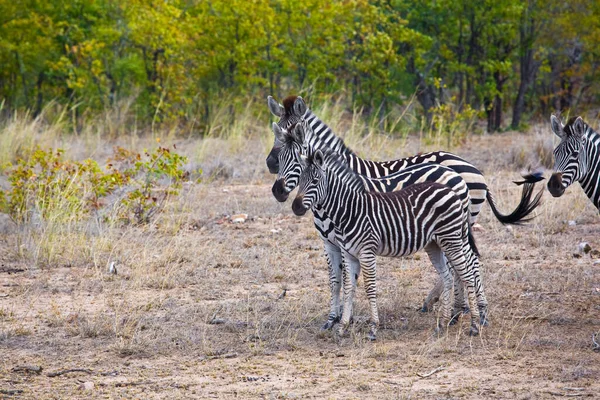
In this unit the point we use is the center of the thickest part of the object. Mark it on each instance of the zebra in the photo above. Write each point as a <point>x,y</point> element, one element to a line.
<point>391,224</point>
<point>295,110</point>
<point>577,158</point>
<point>301,142</point>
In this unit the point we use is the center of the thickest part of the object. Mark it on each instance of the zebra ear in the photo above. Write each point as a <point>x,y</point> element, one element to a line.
<point>557,127</point>
<point>318,159</point>
<point>298,134</point>
<point>275,108</point>
<point>578,128</point>
<point>300,107</point>
<point>279,133</point>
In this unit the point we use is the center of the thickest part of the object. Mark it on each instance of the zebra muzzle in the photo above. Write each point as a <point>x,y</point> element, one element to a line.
<point>555,185</point>
<point>279,191</point>
<point>297,206</point>
<point>273,163</point>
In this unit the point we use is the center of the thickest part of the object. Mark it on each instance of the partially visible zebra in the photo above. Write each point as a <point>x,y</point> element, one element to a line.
<point>300,142</point>
<point>577,158</point>
<point>392,224</point>
<point>295,110</point>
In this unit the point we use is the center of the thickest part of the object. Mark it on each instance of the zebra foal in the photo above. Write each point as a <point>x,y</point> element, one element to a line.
<point>390,224</point>
<point>577,158</point>
<point>301,142</point>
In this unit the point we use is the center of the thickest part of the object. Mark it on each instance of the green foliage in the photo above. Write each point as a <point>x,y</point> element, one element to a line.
<point>178,59</point>
<point>152,179</point>
<point>47,187</point>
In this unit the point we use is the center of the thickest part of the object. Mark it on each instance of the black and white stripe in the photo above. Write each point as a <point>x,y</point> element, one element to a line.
<point>394,224</point>
<point>577,158</point>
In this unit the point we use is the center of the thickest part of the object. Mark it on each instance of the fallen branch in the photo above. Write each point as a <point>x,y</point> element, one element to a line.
<point>438,369</point>
<point>228,355</point>
<point>36,369</point>
<point>136,383</point>
<point>10,392</point>
<point>566,394</point>
<point>596,344</point>
<point>67,371</point>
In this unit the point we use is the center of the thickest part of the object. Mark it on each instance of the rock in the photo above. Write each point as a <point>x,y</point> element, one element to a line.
<point>584,247</point>
<point>239,218</point>
<point>509,228</point>
<point>576,255</point>
<point>595,253</point>
<point>571,223</point>
<point>87,386</point>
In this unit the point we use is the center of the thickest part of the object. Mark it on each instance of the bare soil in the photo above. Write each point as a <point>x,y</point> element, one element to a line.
<point>205,308</point>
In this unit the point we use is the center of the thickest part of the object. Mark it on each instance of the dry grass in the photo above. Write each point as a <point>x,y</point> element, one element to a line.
<point>202,307</point>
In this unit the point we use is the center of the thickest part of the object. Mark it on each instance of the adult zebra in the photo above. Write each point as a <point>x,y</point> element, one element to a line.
<point>302,142</point>
<point>294,110</point>
<point>577,158</point>
<point>391,224</point>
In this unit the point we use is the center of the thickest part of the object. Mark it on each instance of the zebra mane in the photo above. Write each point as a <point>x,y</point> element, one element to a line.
<point>340,168</point>
<point>569,126</point>
<point>326,137</point>
<point>288,104</point>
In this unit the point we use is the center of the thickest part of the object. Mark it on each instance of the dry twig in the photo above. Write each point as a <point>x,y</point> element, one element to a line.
<point>36,369</point>
<point>66,371</point>
<point>438,369</point>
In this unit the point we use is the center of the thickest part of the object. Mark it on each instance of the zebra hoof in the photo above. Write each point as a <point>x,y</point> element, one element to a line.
<point>474,331</point>
<point>455,318</point>
<point>330,323</point>
<point>372,336</point>
<point>466,310</point>
<point>426,308</point>
<point>483,319</point>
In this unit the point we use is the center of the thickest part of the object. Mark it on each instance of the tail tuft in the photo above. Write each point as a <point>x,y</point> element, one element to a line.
<point>524,208</point>
<point>530,176</point>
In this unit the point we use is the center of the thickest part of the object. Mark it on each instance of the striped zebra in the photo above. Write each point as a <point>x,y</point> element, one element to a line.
<point>300,142</point>
<point>577,158</point>
<point>295,110</point>
<point>392,224</point>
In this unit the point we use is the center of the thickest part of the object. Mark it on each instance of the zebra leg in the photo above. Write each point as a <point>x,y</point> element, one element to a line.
<point>350,265</point>
<point>439,262</point>
<point>461,302</point>
<point>334,263</point>
<point>482,303</point>
<point>454,248</point>
<point>433,296</point>
<point>369,266</point>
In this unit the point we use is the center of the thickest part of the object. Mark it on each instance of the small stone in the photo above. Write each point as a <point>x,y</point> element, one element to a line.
<point>239,218</point>
<point>571,223</point>
<point>509,228</point>
<point>584,247</point>
<point>576,255</point>
<point>477,228</point>
<point>87,386</point>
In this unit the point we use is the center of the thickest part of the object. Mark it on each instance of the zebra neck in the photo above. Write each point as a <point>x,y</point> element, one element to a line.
<point>343,195</point>
<point>326,138</point>
<point>590,182</point>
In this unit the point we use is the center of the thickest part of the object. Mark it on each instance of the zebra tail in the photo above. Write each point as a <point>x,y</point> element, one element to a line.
<point>472,241</point>
<point>524,208</point>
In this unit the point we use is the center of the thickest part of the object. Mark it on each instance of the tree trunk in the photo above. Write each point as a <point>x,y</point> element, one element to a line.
<point>425,96</point>
<point>527,69</point>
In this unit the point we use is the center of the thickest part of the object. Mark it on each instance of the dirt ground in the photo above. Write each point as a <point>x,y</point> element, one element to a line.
<point>203,307</point>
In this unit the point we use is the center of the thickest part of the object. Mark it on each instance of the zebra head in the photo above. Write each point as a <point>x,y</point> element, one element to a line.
<point>313,183</point>
<point>290,113</point>
<point>293,146</point>
<point>570,163</point>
